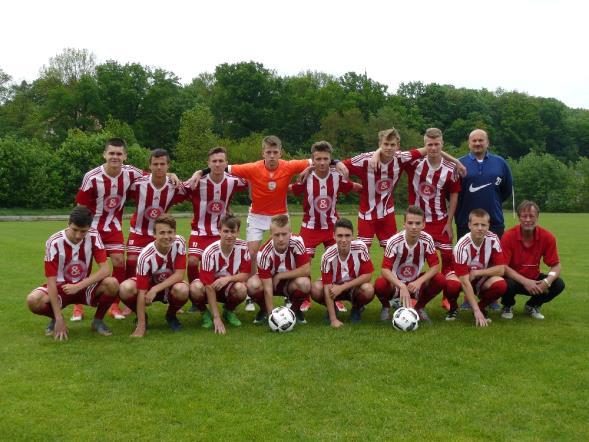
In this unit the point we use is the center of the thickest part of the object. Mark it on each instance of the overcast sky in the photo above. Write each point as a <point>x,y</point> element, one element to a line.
<point>538,47</point>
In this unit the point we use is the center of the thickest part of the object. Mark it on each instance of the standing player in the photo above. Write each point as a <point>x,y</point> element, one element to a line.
<point>160,270</point>
<point>283,267</point>
<point>479,265</point>
<point>225,268</point>
<point>68,268</point>
<point>523,246</point>
<point>346,270</point>
<point>404,257</point>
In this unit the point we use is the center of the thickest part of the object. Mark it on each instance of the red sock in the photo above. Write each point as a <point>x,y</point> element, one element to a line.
<point>103,305</point>
<point>297,297</point>
<point>435,286</point>
<point>131,303</point>
<point>451,292</point>
<point>383,291</point>
<point>46,311</point>
<point>119,273</point>
<point>174,305</point>
<point>493,293</point>
<point>130,269</point>
<point>192,273</point>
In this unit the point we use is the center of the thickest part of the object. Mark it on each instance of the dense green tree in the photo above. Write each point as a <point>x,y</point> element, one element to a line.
<point>70,65</point>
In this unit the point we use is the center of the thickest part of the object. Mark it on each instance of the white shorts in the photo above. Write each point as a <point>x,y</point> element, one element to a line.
<point>256,226</point>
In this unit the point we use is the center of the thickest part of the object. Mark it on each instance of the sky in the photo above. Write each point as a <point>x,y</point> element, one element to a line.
<point>537,47</point>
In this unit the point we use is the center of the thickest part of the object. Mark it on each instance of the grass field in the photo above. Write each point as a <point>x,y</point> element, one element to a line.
<point>516,380</point>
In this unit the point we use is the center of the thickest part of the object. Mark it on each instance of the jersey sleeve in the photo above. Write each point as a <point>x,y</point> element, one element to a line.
<point>326,273</point>
<point>507,243</point>
<point>247,171</point>
<point>345,186</point>
<point>298,188</point>
<point>460,262</point>
<point>550,255</point>
<point>264,266</point>
<point>246,263</point>
<point>301,259</point>
<point>51,259</point>
<point>143,274</point>
<point>297,166</point>
<point>366,267</point>
<point>432,259</point>
<point>98,250</point>
<point>389,256</point>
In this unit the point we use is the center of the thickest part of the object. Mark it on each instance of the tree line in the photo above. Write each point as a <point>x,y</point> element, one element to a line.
<point>52,129</point>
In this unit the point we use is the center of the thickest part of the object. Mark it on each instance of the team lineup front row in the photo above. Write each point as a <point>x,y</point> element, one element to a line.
<point>484,267</point>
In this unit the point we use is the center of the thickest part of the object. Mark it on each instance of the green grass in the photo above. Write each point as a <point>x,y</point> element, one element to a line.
<point>516,380</point>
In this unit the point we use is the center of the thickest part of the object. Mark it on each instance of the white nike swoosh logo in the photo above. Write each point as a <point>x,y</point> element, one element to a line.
<point>475,189</point>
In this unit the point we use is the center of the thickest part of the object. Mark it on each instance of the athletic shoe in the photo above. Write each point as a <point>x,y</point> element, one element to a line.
<point>423,316</point>
<point>127,311</point>
<point>174,323</point>
<point>385,314</point>
<point>193,309</point>
<point>115,312</point>
<point>445,304</point>
<point>249,305</point>
<point>261,318</point>
<point>534,312</point>
<point>452,314</point>
<point>356,314</point>
<point>78,313</point>
<point>207,319</point>
<point>465,306</point>
<point>306,305</point>
<point>50,328</point>
<point>507,313</point>
<point>340,307</point>
<point>287,302</point>
<point>231,318</point>
<point>496,307</point>
<point>395,303</point>
<point>300,317</point>
<point>100,327</point>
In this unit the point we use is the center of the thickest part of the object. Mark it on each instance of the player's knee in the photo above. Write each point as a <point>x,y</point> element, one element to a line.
<point>197,290</point>
<point>117,259</point>
<point>239,291</point>
<point>36,301</point>
<point>254,285</point>
<point>303,284</point>
<point>317,292</point>
<point>382,288</point>
<point>127,289</point>
<point>367,291</point>
<point>110,285</point>
<point>180,291</point>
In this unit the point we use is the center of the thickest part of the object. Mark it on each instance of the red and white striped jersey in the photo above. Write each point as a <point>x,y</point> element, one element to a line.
<point>154,267</point>
<point>210,201</point>
<point>376,198</point>
<point>406,262</point>
<point>105,196</point>
<point>151,202</point>
<point>271,262</point>
<point>334,270</point>
<point>467,256</point>
<point>70,263</point>
<point>428,187</point>
<point>320,198</point>
<point>215,264</point>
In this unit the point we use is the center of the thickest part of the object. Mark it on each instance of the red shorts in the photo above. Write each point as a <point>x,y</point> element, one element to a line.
<point>312,238</point>
<point>442,242</point>
<point>222,293</point>
<point>384,228</point>
<point>137,242</point>
<point>113,242</point>
<point>387,291</point>
<point>197,244</point>
<point>163,295</point>
<point>87,296</point>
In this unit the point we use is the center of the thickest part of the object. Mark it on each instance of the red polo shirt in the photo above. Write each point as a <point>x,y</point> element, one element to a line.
<point>525,260</point>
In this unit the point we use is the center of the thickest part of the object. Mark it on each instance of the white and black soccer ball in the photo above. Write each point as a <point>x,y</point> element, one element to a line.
<point>405,319</point>
<point>282,320</point>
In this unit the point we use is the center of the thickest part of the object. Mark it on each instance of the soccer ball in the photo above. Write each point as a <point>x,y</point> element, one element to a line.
<point>282,320</point>
<point>405,319</point>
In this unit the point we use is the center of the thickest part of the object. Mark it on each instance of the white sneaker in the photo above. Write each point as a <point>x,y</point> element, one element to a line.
<point>249,305</point>
<point>507,313</point>
<point>534,312</point>
<point>340,307</point>
<point>385,314</point>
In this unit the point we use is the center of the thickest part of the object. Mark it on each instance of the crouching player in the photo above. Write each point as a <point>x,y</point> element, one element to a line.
<point>478,268</point>
<point>160,272</point>
<point>346,270</point>
<point>68,266</point>
<point>284,269</point>
<point>404,257</point>
<point>225,268</point>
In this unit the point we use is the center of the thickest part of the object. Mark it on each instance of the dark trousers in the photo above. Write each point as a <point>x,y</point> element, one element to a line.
<point>514,288</point>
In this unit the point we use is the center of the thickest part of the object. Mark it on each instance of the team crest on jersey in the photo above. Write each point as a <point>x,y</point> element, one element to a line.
<point>216,207</point>
<point>162,275</point>
<point>271,185</point>
<point>75,271</point>
<point>322,203</point>
<point>407,272</point>
<point>384,185</point>
<point>153,212</point>
<point>112,202</point>
<point>426,190</point>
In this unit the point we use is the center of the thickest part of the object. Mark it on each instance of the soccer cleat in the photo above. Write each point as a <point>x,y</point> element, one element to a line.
<point>173,323</point>
<point>50,328</point>
<point>249,305</point>
<point>445,304</point>
<point>465,306</point>
<point>340,307</point>
<point>287,302</point>
<point>452,314</point>
<point>306,305</point>
<point>356,314</point>
<point>261,318</point>
<point>78,313</point>
<point>423,316</point>
<point>534,312</point>
<point>395,303</point>
<point>100,327</point>
<point>207,320</point>
<point>231,318</point>
<point>115,312</point>
<point>507,313</point>
<point>385,314</point>
<point>495,307</point>
<point>300,317</point>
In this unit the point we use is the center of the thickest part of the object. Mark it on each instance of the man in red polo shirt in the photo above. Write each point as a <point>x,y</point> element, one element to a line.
<point>523,247</point>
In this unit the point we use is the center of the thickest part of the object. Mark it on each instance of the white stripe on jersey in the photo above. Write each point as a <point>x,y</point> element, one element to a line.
<point>347,269</point>
<point>407,261</point>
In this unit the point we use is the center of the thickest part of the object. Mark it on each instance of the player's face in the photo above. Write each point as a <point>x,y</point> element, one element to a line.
<point>433,147</point>
<point>343,239</point>
<point>413,225</point>
<point>164,235</point>
<point>75,233</point>
<point>159,166</point>
<point>321,161</point>
<point>388,149</point>
<point>280,237</point>
<point>228,236</point>
<point>479,226</point>
<point>478,142</point>
<point>114,156</point>
<point>217,163</point>
<point>528,219</point>
<point>271,155</point>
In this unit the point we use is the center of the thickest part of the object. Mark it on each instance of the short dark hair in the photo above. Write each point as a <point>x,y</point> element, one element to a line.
<point>479,213</point>
<point>116,142</point>
<point>81,216</point>
<point>344,223</point>
<point>167,219</point>
<point>527,205</point>
<point>158,153</point>
<point>321,146</point>
<point>231,221</point>
<point>217,149</point>
<point>414,210</point>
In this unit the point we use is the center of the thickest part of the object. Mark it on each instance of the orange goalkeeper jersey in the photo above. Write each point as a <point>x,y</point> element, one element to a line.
<point>269,187</point>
